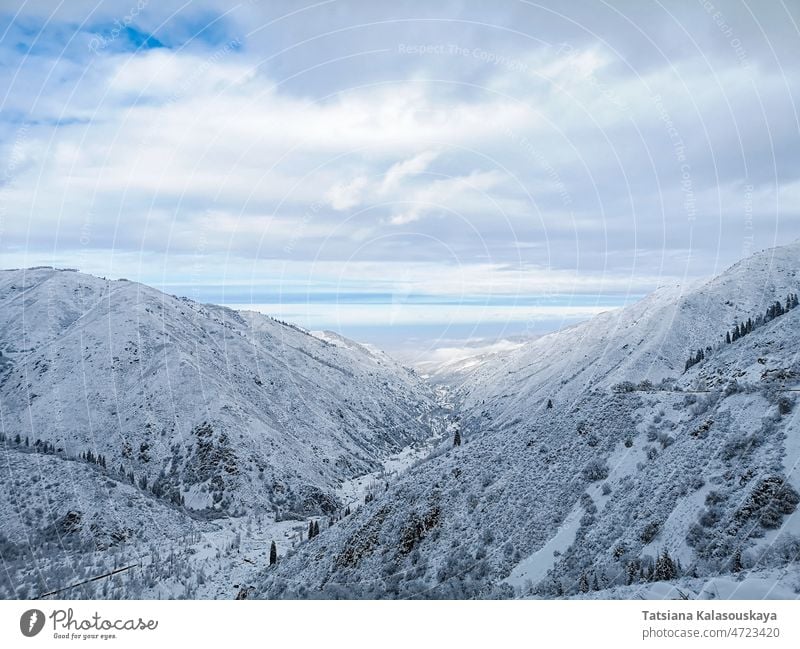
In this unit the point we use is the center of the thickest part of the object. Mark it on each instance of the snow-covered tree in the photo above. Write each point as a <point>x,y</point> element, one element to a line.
<point>665,568</point>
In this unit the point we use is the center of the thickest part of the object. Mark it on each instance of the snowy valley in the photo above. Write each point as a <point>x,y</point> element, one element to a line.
<point>653,451</point>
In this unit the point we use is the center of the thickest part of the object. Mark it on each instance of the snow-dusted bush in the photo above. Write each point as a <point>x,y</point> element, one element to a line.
<point>596,470</point>
<point>702,404</point>
<point>732,388</point>
<point>696,482</point>
<point>737,446</point>
<point>649,532</point>
<point>770,500</point>
<point>785,405</point>
<point>665,440</point>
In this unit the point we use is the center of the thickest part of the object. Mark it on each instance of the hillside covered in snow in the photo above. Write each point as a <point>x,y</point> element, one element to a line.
<point>652,451</point>
<point>113,392</point>
<point>597,461</point>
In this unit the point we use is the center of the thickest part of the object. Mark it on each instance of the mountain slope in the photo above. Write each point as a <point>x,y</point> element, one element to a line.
<point>647,340</point>
<point>216,409</point>
<point>634,458</point>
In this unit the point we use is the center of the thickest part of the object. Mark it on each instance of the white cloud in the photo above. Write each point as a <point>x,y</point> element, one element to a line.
<point>337,315</point>
<point>456,195</point>
<point>398,172</point>
<point>344,196</point>
<point>229,152</point>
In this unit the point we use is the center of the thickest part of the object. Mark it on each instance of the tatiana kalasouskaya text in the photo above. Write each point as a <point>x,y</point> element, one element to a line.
<point>710,616</point>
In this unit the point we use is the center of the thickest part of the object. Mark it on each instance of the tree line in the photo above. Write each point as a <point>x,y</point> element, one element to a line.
<point>740,329</point>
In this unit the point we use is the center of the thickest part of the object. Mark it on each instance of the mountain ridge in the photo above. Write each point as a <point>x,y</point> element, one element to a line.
<point>153,368</point>
<point>594,461</point>
<point>567,483</point>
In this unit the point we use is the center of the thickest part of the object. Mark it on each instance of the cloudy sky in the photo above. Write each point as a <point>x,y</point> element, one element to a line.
<point>412,174</point>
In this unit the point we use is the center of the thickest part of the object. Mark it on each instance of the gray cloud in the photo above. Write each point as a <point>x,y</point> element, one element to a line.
<point>627,139</point>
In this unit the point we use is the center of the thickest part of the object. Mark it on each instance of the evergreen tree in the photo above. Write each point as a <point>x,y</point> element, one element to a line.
<point>273,554</point>
<point>583,583</point>
<point>736,561</point>
<point>694,359</point>
<point>728,337</point>
<point>631,570</point>
<point>665,567</point>
<point>457,438</point>
<point>310,530</point>
<point>316,528</point>
<point>549,403</point>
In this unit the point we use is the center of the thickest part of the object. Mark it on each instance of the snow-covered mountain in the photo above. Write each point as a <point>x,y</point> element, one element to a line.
<point>594,461</point>
<point>637,454</point>
<point>451,365</point>
<point>650,339</point>
<point>207,407</point>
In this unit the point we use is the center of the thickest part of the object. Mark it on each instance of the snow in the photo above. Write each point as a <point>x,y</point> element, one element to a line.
<point>753,588</point>
<point>112,366</point>
<point>535,567</point>
<point>791,454</point>
<point>517,490</point>
<point>352,492</point>
<point>301,425</point>
<point>754,585</point>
